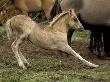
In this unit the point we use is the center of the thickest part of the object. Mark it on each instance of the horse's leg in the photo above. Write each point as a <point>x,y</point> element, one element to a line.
<point>56,9</point>
<point>47,7</point>
<point>91,41</point>
<point>101,43</point>
<point>69,50</point>
<point>69,36</point>
<point>98,43</point>
<point>106,41</point>
<point>99,46</point>
<point>15,46</point>
<point>48,16</point>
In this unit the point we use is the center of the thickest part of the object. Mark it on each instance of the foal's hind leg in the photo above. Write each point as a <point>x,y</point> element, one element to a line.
<point>69,50</point>
<point>15,48</point>
<point>23,58</point>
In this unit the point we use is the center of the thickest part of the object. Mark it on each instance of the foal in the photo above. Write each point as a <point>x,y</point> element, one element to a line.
<point>54,36</point>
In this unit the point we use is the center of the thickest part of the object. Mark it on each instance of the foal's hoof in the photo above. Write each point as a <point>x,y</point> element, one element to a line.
<point>28,66</point>
<point>24,68</point>
<point>95,66</point>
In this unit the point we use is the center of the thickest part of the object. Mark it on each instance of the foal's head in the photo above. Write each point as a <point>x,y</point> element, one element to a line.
<point>74,22</point>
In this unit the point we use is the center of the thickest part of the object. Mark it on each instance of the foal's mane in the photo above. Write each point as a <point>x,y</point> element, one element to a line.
<point>55,19</point>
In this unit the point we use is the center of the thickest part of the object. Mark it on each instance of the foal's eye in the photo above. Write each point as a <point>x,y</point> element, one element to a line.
<point>75,18</point>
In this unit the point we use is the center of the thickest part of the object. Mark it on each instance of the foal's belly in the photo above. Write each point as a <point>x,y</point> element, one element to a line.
<point>47,40</point>
<point>42,40</point>
<point>45,43</point>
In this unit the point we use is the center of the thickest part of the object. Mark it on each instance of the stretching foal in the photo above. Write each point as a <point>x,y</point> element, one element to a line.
<point>54,36</point>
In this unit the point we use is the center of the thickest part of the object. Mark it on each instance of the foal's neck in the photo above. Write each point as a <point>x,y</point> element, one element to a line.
<point>61,25</point>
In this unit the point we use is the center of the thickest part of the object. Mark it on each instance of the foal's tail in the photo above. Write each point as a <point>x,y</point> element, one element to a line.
<point>8,29</point>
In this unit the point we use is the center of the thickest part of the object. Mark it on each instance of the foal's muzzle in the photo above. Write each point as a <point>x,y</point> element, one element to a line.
<point>81,28</point>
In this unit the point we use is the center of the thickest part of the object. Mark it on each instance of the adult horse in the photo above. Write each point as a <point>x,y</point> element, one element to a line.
<point>53,37</point>
<point>26,6</point>
<point>94,15</point>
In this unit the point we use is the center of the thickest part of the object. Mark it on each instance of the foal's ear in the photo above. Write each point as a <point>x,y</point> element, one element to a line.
<point>71,11</point>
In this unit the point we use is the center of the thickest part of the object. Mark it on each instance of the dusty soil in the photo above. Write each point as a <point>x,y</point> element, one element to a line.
<point>32,52</point>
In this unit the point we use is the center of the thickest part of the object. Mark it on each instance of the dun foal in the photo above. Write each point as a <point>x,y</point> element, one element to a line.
<point>54,36</point>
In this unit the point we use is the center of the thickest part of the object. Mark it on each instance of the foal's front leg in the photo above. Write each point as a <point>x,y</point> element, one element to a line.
<point>69,50</point>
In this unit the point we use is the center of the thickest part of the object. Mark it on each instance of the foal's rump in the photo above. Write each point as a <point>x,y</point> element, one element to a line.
<point>19,24</point>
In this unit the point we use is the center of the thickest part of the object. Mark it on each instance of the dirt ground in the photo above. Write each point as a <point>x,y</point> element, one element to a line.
<point>32,52</point>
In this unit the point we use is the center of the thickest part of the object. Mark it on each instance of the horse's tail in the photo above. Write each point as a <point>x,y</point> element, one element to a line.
<point>8,29</point>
